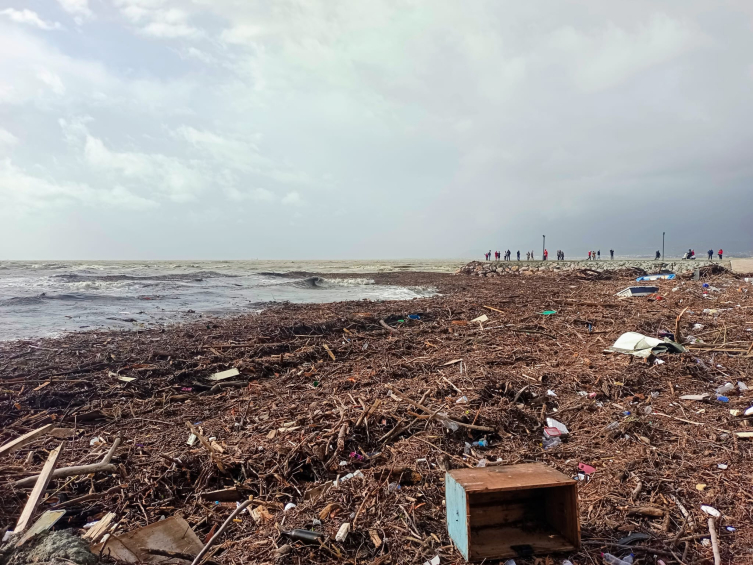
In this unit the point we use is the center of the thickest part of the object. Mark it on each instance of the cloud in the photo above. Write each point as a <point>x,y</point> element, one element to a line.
<point>292,199</point>
<point>179,181</point>
<point>77,8</point>
<point>154,20</point>
<point>256,194</point>
<point>23,192</point>
<point>421,116</point>
<point>7,139</point>
<point>52,80</point>
<point>29,17</point>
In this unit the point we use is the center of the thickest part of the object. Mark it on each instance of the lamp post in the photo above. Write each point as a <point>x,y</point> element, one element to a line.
<point>543,247</point>
<point>662,244</point>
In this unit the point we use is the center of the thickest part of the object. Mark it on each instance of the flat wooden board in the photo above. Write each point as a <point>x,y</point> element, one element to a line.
<point>509,477</point>
<point>498,543</point>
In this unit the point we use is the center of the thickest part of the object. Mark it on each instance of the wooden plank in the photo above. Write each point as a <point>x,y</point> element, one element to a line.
<point>496,512</point>
<point>38,491</point>
<point>100,528</point>
<point>510,477</point>
<point>44,523</point>
<point>498,543</point>
<point>562,512</point>
<point>19,442</point>
<point>457,514</point>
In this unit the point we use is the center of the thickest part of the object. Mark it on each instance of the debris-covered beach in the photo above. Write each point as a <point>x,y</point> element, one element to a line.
<point>312,416</point>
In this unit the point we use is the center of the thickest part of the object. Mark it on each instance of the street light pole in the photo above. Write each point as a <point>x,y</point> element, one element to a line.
<point>543,247</point>
<point>662,244</point>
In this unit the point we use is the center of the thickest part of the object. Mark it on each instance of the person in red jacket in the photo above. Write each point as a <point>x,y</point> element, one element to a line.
<point>721,253</point>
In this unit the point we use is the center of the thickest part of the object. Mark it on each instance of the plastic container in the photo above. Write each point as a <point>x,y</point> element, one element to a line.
<point>614,560</point>
<point>481,443</point>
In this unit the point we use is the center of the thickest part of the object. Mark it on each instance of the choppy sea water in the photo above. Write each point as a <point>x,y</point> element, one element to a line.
<point>44,298</point>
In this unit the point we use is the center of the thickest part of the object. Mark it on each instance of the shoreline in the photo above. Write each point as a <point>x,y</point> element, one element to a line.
<point>308,374</point>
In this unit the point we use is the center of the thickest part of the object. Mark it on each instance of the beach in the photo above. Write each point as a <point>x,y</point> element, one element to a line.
<point>390,394</point>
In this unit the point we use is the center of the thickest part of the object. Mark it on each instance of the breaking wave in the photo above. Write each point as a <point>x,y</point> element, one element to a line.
<point>197,276</point>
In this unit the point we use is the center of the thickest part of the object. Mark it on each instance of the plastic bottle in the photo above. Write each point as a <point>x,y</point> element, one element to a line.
<point>551,442</point>
<point>613,560</point>
<point>726,387</point>
<point>303,535</point>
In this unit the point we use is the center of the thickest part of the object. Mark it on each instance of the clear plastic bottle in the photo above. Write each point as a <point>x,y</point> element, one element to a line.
<point>610,559</point>
<point>551,442</point>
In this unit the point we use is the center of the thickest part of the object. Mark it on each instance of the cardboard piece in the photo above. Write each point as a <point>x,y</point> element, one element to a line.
<point>171,535</point>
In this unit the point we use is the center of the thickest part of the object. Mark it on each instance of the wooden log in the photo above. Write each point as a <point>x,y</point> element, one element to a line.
<point>39,487</point>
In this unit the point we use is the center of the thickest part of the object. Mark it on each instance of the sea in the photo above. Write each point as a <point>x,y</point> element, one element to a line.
<point>51,298</point>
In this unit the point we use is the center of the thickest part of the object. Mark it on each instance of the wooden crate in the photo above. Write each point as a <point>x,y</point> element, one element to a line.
<point>511,511</point>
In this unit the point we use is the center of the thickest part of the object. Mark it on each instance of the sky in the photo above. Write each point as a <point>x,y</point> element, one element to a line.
<point>346,129</point>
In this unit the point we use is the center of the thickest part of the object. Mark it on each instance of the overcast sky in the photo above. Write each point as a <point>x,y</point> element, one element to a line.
<point>179,129</point>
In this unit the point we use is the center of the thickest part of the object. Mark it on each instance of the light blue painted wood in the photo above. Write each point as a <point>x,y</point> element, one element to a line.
<point>457,514</point>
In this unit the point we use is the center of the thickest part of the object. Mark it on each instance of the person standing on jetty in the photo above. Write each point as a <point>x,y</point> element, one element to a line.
<point>598,254</point>
<point>518,254</point>
<point>611,254</point>
<point>589,255</point>
<point>658,255</point>
<point>721,254</point>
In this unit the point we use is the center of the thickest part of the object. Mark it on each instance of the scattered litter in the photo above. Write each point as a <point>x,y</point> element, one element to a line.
<point>638,291</point>
<point>306,536</point>
<point>225,375</point>
<point>725,388</point>
<point>711,511</point>
<point>342,533</point>
<point>703,396</point>
<point>667,276</point>
<point>481,318</point>
<point>357,474</point>
<point>549,443</point>
<point>289,506</point>
<point>722,466</point>
<point>462,400</point>
<point>639,345</point>
<point>434,561</point>
<point>633,537</point>
<point>539,491</point>
<point>552,423</point>
<point>587,469</point>
<point>173,534</point>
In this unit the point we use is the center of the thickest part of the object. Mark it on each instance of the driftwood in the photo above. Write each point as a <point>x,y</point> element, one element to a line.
<point>102,466</point>
<point>386,326</point>
<point>219,532</point>
<point>440,417</point>
<point>42,480</point>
